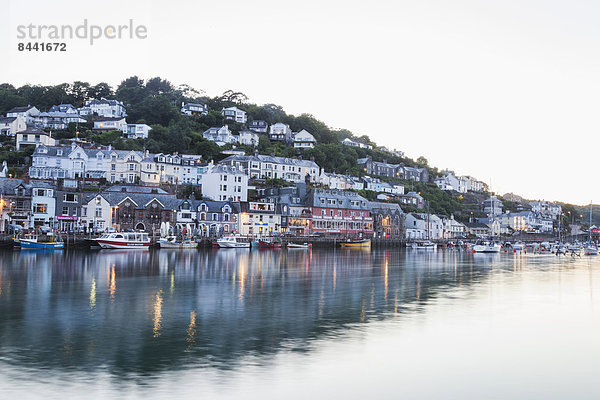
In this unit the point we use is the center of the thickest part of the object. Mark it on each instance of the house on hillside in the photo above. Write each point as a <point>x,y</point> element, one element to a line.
<point>304,140</point>
<point>193,109</point>
<point>259,126</point>
<point>234,114</point>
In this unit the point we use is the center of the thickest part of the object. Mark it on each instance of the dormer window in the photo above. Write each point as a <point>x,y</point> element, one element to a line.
<point>58,152</point>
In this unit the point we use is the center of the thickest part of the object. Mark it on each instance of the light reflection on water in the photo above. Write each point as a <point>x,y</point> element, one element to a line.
<point>231,323</point>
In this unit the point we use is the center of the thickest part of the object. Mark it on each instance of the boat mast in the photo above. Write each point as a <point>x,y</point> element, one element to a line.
<point>590,225</point>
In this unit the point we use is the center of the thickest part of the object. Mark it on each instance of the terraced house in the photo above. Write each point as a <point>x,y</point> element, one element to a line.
<point>266,167</point>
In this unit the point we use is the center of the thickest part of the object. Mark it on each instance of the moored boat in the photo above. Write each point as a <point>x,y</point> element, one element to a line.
<point>485,246</point>
<point>232,242</point>
<point>428,245</point>
<point>299,245</point>
<point>124,240</point>
<point>358,243</point>
<point>171,242</point>
<point>269,244</point>
<point>28,244</point>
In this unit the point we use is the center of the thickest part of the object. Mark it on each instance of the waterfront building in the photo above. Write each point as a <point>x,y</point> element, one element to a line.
<point>416,226</point>
<point>43,204</point>
<point>259,219</point>
<point>296,217</point>
<point>388,220</point>
<point>545,208</point>
<point>68,205</point>
<point>336,212</point>
<point>15,203</point>
<point>477,229</point>
<point>206,218</point>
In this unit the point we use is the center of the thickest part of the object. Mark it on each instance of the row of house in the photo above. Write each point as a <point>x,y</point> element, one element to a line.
<point>460,184</point>
<point>63,206</point>
<point>399,171</point>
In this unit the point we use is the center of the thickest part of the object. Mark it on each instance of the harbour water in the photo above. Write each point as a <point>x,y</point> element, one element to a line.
<point>356,324</point>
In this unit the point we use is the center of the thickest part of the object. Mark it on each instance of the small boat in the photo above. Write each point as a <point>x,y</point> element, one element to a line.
<point>170,242</point>
<point>422,245</point>
<point>29,236</point>
<point>591,250</point>
<point>232,242</point>
<point>124,240</point>
<point>485,246</point>
<point>28,244</point>
<point>269,244</point>
<point>358,243</point>
<point>518,246</point>
<point>299,246</point>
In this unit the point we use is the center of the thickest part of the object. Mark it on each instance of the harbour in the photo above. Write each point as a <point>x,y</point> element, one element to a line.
<point>220,322</point>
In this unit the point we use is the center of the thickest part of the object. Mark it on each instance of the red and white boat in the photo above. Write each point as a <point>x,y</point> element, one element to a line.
<point>124,240</point>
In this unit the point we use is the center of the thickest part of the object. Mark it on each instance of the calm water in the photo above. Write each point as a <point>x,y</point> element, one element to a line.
<point>326,324</point>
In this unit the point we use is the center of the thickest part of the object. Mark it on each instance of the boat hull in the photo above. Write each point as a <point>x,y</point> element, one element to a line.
<point>486,249</point>
<point>358,244</point>
<point>27,245</point>
<point>177,245</point>
<point>115,244</point>
<point>239,245</point>
<point>298,246</point>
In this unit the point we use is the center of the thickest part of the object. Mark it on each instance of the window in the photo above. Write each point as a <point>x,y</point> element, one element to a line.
<point>70,197</point>
<point>84,211</point>
<point>40,208</point>
<point>113,167</point>
<point>65,211</point>
<point>98,213</point>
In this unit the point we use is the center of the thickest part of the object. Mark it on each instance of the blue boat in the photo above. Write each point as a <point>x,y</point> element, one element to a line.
<point>33,245</point>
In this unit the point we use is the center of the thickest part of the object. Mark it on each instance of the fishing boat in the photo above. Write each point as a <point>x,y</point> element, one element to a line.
<point>171,242</point>
<point>427,245</point>
<point>29,236</point>
<point>358,243</point>
<point>486,246</point>
<point>299,245</point>
<point>28,244</point>
<point>232,242</point>
<point>124,240</point>
<point>269,244</point>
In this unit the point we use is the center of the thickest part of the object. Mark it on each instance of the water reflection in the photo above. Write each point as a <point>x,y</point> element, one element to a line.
<point>143,312</point>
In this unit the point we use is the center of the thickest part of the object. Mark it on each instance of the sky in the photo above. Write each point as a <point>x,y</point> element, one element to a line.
<point>505,91</point>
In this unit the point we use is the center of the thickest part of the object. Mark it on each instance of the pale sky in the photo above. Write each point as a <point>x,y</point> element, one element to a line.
<point>505,91</point>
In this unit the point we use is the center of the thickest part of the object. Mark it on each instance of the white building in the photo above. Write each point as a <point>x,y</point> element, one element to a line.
<point>194,109</point>
<point>56,120</point>
<point>136,131</point>
<point>281,132</point>
<point>259,126</point>
<point>103,108</point>
<point>225,183</point>
<point>268,167</point>
<point>110,124</point>
<point>96,212</point>
<point>9,126</point>
<point>259,219</point>
<point>28,113</point>
<point>416,227</point>
<point>33,137</point>
<point>350,142</point>
<point>220,136</point>
<point>545,208</point>
<point>234,114</point>
<point>43,204</point>
<point>248,138</point>
<point>304,140</point>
